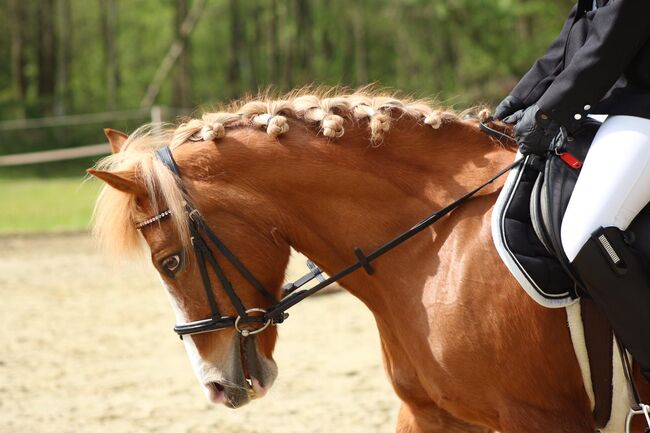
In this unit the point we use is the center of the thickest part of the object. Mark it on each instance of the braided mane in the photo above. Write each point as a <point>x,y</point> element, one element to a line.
<point>116,213</point>
<point>325,108</point>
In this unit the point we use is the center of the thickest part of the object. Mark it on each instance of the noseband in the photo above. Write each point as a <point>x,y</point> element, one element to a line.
<point>203,236</point>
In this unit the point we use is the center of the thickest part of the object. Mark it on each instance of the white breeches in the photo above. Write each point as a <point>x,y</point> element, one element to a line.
<point>614,184</point>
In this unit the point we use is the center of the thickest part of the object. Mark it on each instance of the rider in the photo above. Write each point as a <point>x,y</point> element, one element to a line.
<point>599,64</point>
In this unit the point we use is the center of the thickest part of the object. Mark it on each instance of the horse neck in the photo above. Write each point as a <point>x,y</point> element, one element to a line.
<point>329,197</point>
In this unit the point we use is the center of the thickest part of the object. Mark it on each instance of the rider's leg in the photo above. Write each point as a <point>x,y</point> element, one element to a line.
<point>613,187</point>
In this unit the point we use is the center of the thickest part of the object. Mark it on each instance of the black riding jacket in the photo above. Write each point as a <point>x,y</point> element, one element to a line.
<point>600,63</point>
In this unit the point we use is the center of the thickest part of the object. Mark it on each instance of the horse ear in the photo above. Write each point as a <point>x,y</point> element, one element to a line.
<point>115,138</point>
<point>121,180</point>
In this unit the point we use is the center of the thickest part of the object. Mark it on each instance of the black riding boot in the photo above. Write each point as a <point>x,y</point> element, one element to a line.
<point>618,280</point>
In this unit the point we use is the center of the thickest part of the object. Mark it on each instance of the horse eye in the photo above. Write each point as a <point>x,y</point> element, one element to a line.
<point>171,264</point>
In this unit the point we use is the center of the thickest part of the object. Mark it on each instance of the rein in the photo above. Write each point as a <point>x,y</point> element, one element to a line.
<point>290,294</point>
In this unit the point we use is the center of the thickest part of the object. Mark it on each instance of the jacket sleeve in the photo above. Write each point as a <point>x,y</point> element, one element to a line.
<point>617,32</point>
<point>540,76</point>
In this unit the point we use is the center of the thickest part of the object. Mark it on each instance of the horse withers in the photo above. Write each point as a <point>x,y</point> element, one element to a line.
<point>464,348</point>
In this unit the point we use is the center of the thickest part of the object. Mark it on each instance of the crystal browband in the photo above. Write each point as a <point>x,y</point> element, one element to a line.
<point>153,219</point>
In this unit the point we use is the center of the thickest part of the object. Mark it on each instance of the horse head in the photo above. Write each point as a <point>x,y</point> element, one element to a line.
<point>231,369</point>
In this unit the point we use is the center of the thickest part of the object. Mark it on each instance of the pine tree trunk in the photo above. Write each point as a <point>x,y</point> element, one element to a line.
<point>109,23</point>
<point>182,88</point>
<point>304,39</point>
<point>18,77</point>
<point>46,58</point>
<point>274,49</point>
<point>234,67</point>
<point>63,57</point>
<point>253,46</point>
<point>349,58</point>
<point>360,45</point>
<point>288,48</point>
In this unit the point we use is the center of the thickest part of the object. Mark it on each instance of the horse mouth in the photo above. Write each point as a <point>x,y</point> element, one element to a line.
<point>253,368</point>
<point>251,377</point>
<point>220,394</point>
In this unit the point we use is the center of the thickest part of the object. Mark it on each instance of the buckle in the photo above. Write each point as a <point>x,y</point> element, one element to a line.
<point>194,215</point>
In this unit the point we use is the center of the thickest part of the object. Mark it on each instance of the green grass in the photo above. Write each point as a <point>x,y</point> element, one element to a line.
<point>29,205</point>
<point>48,170</point>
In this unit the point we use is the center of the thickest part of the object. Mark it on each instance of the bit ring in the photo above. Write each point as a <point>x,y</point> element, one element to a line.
<point>247,332</point>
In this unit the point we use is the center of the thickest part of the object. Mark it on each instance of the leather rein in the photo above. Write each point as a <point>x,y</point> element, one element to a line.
<point>202,236</point>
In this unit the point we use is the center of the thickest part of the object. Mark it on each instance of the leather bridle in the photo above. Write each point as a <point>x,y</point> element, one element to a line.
<point>203,236</point>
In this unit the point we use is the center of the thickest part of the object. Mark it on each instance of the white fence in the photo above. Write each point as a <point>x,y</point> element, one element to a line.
<point>155,114</point>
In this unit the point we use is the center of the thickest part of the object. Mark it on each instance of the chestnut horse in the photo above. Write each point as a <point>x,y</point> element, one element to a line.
<point>465,348</point>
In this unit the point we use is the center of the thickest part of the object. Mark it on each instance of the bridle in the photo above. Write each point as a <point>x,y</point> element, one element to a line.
<point>202,236</point>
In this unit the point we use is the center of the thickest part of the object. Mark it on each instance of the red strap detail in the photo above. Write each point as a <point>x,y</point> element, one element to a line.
<point>571,160</point>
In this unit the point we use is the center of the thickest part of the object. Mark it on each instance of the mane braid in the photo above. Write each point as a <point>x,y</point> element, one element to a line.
<point>325,108</point>
<point>329,110</point>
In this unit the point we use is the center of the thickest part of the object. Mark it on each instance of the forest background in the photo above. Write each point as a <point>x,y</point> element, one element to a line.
<point>71,57</point>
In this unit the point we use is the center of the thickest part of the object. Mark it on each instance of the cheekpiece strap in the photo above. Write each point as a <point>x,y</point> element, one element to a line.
<point>164,154</point>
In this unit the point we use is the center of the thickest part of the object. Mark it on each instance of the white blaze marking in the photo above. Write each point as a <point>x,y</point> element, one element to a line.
<point>205,372</point>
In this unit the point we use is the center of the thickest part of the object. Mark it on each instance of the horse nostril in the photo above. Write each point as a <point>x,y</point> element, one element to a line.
<point>216,392</point>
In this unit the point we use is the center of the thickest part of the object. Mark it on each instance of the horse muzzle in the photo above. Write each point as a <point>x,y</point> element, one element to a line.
<point>249,376</point>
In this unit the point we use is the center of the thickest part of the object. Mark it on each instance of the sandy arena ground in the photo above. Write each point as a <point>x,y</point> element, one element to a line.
<point>88,347</point>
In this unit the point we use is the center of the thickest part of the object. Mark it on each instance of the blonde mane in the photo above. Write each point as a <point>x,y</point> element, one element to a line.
<point>325,108</point>
<point>115,214</point>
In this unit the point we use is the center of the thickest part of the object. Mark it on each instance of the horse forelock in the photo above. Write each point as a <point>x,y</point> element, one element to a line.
<point>116,213</point>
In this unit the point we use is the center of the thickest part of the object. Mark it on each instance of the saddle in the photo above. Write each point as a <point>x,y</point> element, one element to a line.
<point>526,225</point>
<point>528,216</point>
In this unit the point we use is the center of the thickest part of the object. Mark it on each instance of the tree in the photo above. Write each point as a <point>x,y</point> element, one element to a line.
<point>46,57</point>
<point>17,25</point>
<point>305,37</point>
<point>360,43</point>
<point>274,44</point>
<point>109,24</point>
<point>70,54</point>
<point>182,77</point>
<point>234,64</point>
<point>63,16</point>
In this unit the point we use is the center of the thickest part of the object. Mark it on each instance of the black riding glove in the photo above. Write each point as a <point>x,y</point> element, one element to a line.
<point>508,107</point>
<point>535,131</point>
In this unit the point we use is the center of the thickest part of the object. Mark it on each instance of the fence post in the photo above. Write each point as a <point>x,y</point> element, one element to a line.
<point>156,119</point>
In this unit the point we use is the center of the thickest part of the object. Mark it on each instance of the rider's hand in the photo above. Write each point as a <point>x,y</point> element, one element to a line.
<point>509,106</point>
<point>535,131</point>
